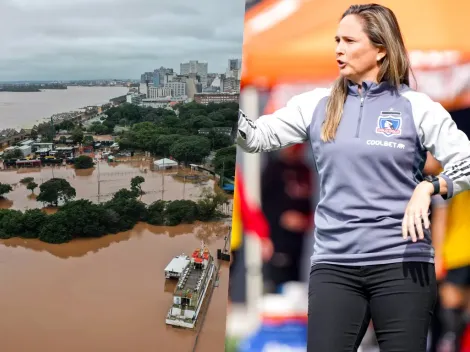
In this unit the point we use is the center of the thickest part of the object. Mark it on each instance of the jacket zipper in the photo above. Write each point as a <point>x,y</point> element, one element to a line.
<point>359,122</point>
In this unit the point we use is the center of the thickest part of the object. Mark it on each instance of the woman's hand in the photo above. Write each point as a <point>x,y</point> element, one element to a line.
<point>416,214</point>
<point>267,249</point>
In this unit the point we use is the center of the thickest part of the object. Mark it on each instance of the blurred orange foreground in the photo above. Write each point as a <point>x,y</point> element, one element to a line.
<point>292,42</point>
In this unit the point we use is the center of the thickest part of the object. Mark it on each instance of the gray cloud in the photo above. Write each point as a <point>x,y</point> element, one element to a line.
<point>79,39</point>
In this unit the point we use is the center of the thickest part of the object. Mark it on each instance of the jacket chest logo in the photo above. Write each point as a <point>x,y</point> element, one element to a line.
<point>389,123</point>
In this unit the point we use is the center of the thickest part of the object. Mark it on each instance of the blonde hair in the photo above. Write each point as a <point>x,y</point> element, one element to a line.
<point>382,29</point>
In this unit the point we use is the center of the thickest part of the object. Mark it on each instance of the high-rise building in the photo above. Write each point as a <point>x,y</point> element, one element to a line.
<point>234,64</point>
<point>194,66</point>
<point>159,92</point>
<point>146,76</point>
<point>160,76</point>
<point>178,88</point>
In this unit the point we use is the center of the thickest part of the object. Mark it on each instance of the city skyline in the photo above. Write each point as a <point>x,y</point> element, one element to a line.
<point>176,70</point>
<point>91,40</point>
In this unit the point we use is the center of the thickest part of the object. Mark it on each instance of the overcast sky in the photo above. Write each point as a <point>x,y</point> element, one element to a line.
<point>85,39</point>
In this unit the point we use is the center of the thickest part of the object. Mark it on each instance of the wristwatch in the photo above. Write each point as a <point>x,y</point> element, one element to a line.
<point>434,180</point>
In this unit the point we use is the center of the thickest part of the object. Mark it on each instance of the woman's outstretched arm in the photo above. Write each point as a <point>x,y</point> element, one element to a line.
<point>286,126</point>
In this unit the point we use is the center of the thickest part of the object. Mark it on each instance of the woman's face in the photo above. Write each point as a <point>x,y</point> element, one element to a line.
<point>356,56</point>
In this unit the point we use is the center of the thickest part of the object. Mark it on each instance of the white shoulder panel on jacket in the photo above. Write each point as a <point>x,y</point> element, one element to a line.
<point>439,134</point>
<point>286,126</point>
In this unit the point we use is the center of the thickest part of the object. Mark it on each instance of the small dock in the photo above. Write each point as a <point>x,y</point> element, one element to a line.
<point>224,253</point>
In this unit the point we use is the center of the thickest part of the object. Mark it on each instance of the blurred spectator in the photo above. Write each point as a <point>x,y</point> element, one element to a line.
<point>450,229</point>
<point>438,228</point>
<point>287,204</point>
<point>454,252</point>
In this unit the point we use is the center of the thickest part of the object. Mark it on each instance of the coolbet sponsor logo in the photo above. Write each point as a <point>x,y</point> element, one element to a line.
<point>388,144</point>
<point>389,123</point>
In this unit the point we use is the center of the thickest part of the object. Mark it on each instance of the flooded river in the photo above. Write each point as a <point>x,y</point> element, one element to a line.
<point>104,294</point>
<point>27,109</point>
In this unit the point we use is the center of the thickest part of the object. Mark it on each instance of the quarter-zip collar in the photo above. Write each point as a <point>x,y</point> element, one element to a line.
<point>370,88</point>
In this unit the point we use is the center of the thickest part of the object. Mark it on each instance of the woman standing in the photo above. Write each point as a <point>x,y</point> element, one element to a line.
<point>370,133</point>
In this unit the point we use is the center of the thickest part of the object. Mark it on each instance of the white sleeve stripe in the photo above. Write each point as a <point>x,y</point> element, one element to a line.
<point>460,175</point>
<point>456,169</point>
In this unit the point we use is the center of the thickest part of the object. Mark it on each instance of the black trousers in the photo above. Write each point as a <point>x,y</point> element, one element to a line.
<point>399,298</point>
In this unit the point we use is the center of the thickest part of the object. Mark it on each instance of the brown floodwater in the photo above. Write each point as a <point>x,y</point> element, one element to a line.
<point>25,109</point>
<point>101,182</point>
<point>103,294</point>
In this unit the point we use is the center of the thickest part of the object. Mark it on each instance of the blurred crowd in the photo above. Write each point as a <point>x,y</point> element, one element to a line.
<point>288,192</point>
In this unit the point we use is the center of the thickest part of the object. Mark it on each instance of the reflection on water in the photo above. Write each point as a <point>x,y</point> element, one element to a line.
<point>5,203</point>
<point>103,294</point>
<point>170,286</point>
<point>209,232</point>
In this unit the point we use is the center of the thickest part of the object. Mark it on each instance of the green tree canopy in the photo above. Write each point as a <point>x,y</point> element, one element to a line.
<point>191,149</point>
<point>56,190</point>
<point>4,189</point>
<point>32,186</point>
<point>77,135</point>
<point>13,154</point>
<point>83,162</point>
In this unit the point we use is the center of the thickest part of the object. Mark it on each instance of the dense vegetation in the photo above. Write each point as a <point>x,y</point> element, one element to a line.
<point>4,189</point>
<point>12,154</point>
<point>83,162</point>
<point>84,219</point>
<point>166,132</point>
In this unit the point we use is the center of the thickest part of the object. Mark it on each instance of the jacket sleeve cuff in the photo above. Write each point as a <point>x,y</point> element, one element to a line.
<point>450,186</point>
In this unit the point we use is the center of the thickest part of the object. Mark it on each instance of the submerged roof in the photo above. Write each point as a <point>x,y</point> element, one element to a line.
<point>165,161</point>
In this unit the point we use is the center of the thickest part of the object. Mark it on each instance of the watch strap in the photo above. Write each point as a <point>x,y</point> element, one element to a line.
<point>436,184</point>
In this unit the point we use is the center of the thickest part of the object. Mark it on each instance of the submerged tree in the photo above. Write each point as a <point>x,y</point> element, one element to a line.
<point>136,184</point>
<point>4,189</point>
<point>32,186</point>
<point>56,190</point>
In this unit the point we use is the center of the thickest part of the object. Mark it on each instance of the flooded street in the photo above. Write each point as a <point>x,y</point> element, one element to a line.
<point>103,294</point>
<point>110,177</point>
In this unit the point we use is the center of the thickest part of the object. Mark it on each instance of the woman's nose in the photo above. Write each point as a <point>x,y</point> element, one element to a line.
<point>339,49</point>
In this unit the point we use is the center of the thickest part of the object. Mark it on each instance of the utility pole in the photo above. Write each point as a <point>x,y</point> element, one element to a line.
<point>222,175</point>
<point>99,183</point>
<point>52,128</point>
<point>163,177</point>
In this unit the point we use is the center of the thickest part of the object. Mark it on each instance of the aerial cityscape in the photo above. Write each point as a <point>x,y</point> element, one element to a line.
<point>125,157</point>
<point>117,155</point>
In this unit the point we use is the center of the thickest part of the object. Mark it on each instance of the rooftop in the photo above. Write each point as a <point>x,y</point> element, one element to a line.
<point>165,161</point>
<point>103,138</point>
<point>178,264</point>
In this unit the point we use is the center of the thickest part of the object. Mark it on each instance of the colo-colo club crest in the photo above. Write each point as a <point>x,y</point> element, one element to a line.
<point>389,123</point>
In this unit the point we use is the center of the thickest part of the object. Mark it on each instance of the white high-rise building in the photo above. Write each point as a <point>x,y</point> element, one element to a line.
<point>159,92</point>
<point>178,89</point>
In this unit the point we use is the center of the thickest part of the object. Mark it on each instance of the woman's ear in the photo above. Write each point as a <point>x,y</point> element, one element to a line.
<point>381,54</point>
